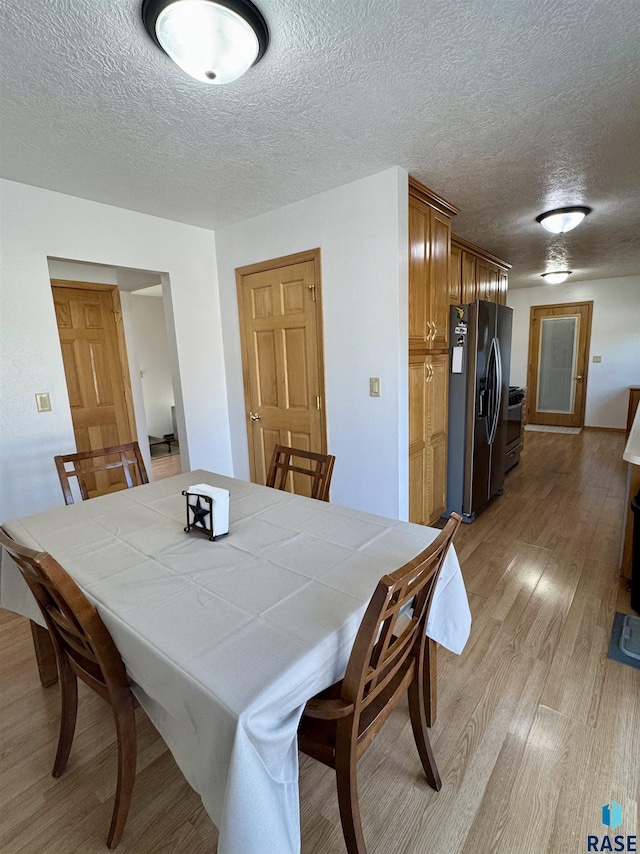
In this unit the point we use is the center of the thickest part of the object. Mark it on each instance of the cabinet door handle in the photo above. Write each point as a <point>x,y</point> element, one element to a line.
<point>435,329</point>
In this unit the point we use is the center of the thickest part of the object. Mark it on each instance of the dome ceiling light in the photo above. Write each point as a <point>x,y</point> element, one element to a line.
<point>560,220</point>
<point>557,277</point>
<point>215,41</point>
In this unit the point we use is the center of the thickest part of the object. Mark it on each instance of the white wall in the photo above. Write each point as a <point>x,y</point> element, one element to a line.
<point>69,271</point>
<point>38,223</point>
<point>362,231</point>
<point>147,316</point>
<point>615,336</point>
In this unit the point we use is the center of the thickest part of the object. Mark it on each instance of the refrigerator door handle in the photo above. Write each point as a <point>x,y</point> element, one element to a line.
<point>497,391</point>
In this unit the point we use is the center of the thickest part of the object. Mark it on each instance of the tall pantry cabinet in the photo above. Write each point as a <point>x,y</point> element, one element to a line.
<point>429,300</point>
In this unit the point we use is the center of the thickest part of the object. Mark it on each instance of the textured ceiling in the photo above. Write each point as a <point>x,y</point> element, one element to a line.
<point>504,107</point>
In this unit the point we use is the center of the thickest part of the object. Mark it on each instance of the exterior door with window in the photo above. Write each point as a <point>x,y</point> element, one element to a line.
<point>559,338</point>
<point>281,333</point>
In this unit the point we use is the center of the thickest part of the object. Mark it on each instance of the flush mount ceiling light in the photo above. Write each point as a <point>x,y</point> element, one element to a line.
<point>215,41</point>
<point>563,219</point>
<point>556,278</point>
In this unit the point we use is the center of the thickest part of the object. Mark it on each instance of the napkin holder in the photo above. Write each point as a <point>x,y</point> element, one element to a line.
<point>207,510</point>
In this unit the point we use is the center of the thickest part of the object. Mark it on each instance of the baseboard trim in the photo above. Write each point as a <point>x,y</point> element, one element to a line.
<point>608,429</point>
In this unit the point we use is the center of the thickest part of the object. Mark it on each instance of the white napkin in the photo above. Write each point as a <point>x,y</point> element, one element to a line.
<point>220,505</point>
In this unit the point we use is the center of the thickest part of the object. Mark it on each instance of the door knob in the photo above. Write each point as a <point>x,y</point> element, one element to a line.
<point>254,416</point>
<point>580,377</point>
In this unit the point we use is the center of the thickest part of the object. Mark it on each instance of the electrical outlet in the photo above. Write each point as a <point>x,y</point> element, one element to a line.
<point>597,359</point>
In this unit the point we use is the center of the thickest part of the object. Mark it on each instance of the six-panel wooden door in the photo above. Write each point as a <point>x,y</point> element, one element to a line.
<point>281,332</point>
<point>96,372</point>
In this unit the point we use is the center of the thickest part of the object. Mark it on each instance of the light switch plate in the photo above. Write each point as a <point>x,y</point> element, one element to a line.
<point>43,402</point>
<point>374,386</point>
<point>597,359</point>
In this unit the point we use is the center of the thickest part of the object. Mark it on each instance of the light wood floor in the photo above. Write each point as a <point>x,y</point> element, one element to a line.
<point>536,728</point>
<point>166,466</point>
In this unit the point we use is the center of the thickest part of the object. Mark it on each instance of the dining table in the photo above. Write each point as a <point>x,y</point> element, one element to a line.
<point>224,641</point>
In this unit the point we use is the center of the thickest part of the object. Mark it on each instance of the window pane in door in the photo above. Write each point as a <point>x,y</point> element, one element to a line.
<point>558,350</point>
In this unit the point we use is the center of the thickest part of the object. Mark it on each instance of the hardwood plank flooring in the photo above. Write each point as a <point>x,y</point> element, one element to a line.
<point>536,728</point>
<point>166,466</point>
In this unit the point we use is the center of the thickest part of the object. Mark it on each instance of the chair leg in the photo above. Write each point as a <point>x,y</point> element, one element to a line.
<point>124,715</point>
<point>417,711</point>
<point>68,715</point>
<point>45,655</point>
<point>431,683</point>
<point>346,766</point>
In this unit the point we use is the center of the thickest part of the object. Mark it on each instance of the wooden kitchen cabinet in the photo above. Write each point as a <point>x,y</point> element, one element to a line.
<point>433,286</point>
<point>467,288</point>
<point>455,274</point>
<point>428,405</point>
<point>429,262</point>
<point>481,275</point>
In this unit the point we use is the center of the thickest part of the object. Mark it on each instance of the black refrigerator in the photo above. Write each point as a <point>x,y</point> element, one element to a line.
<point>479,361</point>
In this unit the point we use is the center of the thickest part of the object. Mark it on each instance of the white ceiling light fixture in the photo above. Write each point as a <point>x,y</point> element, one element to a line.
<point>560,220</point>
<point>215,41</point>
<point>556,278</point>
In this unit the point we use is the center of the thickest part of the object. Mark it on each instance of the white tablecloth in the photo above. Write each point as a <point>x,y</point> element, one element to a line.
<point>225,641</point>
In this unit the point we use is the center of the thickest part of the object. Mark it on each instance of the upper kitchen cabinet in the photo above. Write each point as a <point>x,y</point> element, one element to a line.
<point>480,275</point>
<point>455,274</point>
<point>429,268</point>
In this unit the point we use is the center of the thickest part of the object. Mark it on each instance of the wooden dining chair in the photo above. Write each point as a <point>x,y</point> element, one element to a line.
<point>95,470</point>
<point>286,460</point>
<point>387,660</point>
<point>85,649</point>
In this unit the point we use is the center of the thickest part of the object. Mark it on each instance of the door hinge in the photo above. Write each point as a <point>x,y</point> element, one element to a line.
<point>312,288</point>
<point>318,402</point>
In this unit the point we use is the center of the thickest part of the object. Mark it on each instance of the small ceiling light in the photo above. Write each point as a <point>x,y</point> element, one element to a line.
<point>556,278</point>
<point>215,41</point>
<point>563,219</point>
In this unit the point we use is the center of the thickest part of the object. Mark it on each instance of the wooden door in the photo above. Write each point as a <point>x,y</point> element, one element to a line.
<point>281,333</point>
<point>96,370</point>
<point>559,338</point>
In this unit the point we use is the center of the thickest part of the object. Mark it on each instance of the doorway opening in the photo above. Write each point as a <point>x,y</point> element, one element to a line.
<point>120,367</point>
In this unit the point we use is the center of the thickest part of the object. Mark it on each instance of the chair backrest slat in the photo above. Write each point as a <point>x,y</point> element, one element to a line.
<point>389,639</point>
<point>287,461</point>
<point>84,465</point>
